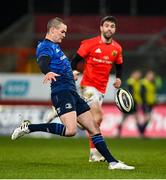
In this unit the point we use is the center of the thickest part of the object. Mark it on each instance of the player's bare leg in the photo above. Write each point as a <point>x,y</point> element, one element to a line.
<point>94,99</point>
<point>70,121</point>
<point>97,113</point>
<point>68,128</point>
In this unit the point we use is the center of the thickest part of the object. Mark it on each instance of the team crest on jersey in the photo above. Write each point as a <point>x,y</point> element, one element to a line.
<point>114,53</point>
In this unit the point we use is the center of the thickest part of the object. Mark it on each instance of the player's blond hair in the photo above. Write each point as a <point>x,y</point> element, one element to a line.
<point>55,22</point>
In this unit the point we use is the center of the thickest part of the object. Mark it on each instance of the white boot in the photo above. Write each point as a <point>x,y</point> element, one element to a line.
<point>120,165</point>
<point>21,130</point>
<point>95,156</point>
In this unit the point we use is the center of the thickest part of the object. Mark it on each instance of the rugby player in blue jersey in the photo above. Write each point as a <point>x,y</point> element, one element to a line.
<point>71,108</point>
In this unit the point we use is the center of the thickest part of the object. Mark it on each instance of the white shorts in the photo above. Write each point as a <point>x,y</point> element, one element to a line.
<point>91,94</point>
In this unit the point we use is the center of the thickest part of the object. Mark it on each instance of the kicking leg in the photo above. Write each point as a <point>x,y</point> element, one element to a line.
<point>68,128</point>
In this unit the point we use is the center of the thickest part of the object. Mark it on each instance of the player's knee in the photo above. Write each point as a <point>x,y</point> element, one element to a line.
<point>71,132</point>
<point>99,117</point>
<point>98,120</point>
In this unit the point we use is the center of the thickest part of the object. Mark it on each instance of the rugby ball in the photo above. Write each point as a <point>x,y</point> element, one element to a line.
<point>124,100</point>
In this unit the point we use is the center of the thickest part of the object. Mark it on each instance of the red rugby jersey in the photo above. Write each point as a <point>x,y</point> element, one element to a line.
<point>99,58</point>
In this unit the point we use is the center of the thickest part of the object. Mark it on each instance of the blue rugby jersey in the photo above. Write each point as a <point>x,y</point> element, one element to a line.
<point>59,64</point>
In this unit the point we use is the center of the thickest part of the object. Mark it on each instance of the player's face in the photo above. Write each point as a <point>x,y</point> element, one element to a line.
<point>59,33</point>
<point>150,76</point>
<point>137,75</point>
<point>108,29</point>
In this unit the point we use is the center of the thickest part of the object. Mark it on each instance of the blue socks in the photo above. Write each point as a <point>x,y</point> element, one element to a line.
<point>100,145</point>
<point>54,128</point>
<point>59,129</point>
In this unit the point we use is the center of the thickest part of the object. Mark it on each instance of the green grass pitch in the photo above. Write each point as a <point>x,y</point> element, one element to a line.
<point>67,158</point>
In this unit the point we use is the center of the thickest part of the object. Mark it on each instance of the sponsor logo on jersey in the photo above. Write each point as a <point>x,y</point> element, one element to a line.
<point>102,61</point>
<point>105,57</point>
<point>114,53</point>
<point>98,50</point>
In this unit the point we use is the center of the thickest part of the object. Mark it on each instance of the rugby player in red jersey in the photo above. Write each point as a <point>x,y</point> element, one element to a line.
<point>99,54</point>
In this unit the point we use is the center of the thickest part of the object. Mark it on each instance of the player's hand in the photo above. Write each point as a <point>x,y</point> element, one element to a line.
<point>49,77</point>
<point>76,74</point>
<point>117,83</point>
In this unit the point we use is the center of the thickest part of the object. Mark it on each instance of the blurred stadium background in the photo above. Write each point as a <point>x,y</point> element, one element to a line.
<point>141,32</point>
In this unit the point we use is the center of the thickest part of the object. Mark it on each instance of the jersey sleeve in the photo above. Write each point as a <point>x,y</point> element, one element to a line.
<point>84,49</point>
<point>45,51</point>
<point>119,59</point>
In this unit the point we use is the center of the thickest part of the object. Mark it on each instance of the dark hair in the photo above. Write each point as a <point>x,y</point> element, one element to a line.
<point>108,18</point>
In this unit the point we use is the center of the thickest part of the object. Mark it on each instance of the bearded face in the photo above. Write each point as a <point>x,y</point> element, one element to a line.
<point>108,29</point>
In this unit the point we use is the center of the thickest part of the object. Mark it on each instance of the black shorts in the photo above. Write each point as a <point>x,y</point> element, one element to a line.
<point>67,101</point>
